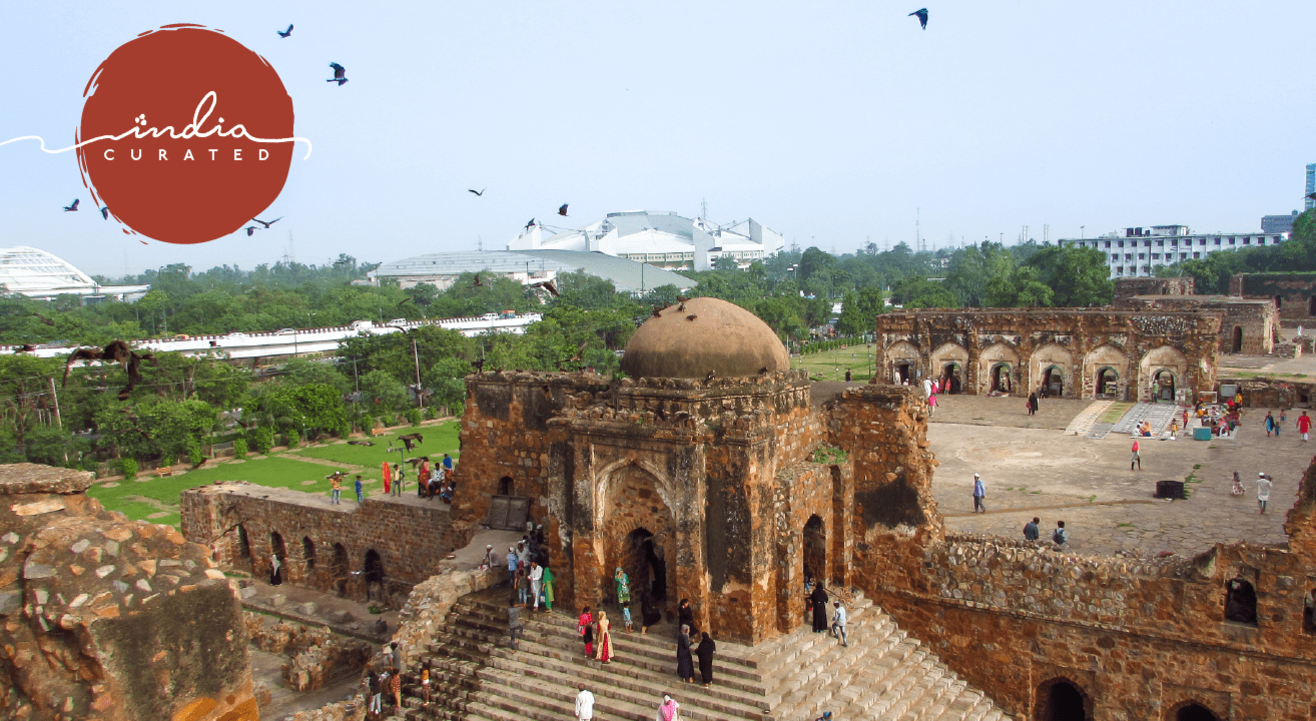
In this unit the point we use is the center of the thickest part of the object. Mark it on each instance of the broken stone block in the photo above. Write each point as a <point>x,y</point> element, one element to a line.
<point>247,592</point>
<point>339,617</point>
<point>277,600</point>
<point>307,608</point>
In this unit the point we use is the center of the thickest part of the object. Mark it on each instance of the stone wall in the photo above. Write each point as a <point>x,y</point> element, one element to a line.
<point>1292,292</point>
<point>109,619</point>
<point>326,546</point>
<point>1130,287</point>
<point>315,654</point>
<point>1246,326</point>
<point>1075,346</point>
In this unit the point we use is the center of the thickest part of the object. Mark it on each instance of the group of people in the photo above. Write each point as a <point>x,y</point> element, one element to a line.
<point>1264,484</point>
<point>430,482</point>
<point>817,606</point>
<point>336,488</point>
<point>385,678</point>
<point>1032,531</point>
<point>668,710</point>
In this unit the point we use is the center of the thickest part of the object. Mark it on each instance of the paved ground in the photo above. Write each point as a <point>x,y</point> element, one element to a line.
<point>1032,468</point>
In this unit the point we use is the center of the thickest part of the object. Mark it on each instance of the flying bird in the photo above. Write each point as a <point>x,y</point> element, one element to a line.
<point>116,352</point>
<point>285,33</point>
<point>411,440</point>
<point>548,286</point>
<point>579,351</point>
<point>922,17</point>
<point>251,229</point>
<point>476,283</point>
<point>340,74</point>
<point>267,225</point>
<point>563,210</point>
<point>528,226</point>
<point>360,443</point>
<point>25,348</point>
<point>1311,196</point>
<point>105,212</point>
<point>73,207</point>
<point>477,192</point>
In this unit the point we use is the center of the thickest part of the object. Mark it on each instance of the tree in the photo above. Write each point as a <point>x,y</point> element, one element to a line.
<point>384,391</point>
<point>1079,276</point>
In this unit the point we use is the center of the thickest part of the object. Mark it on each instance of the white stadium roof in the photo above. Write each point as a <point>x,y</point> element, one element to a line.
<point>37,274</point>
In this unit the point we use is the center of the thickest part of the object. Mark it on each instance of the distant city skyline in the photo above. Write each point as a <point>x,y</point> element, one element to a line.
<point>835,125</point>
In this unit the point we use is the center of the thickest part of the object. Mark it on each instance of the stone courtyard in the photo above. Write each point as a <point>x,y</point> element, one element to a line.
<point>1040,471</point>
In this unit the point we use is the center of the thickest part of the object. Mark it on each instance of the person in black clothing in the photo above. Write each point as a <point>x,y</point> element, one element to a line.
<point>685,664</point>
<point>649,613</point>
<point>818,602</point>
<point>685,616</point>
<point>705,653</point>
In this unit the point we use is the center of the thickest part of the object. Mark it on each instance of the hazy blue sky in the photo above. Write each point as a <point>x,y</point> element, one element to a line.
<point>830,122</point>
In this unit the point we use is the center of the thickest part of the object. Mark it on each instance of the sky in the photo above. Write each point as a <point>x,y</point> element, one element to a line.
<point>833,123</point>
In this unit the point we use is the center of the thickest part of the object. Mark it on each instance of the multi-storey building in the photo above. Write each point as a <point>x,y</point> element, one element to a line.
<point>1139,251</point>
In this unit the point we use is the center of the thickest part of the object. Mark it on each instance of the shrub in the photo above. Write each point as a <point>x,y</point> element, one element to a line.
<point>168,461</point>
<point>194,454</point>
<point>240,448</point>
<point>414,416</point>
<point>263,439</point>
<point>294,438</point>
<point>128,467</point>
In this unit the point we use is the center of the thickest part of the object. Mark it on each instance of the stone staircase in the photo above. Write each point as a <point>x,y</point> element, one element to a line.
<point>883,674</point>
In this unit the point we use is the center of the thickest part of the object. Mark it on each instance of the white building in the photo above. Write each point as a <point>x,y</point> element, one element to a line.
<point>659,238</point>
<point>37,274</point>
<point>1139,251</point>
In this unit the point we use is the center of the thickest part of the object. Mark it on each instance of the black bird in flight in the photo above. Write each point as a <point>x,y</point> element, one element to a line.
<point>563,210</point>
<point>105,212</point>
<point>477,283</point>
<point>1311,196</point>
<point>251,229</point>
<point>922,17</point>
<point>340,74</point>
<point>477,192</point>
<point>528,226</point>
<point>285,33</point>
<point>116,352</point>
<point>548,286</point>
<point>68,208</point>
<point>411,440</point>
<point>267,225</point>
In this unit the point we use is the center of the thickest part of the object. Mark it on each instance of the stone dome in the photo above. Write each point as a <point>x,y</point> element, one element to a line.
<point>709,335</point>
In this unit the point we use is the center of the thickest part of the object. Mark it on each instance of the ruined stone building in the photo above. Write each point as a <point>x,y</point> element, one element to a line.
<point>107,619</point>
<point>1294,294</point>
<point>1071,353</point>
<point>1247,325</point>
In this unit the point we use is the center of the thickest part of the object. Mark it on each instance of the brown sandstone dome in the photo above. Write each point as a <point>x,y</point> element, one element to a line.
<point>723,338</point>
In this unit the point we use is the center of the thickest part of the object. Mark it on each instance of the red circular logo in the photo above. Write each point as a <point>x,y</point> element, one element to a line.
<point>183,111</point>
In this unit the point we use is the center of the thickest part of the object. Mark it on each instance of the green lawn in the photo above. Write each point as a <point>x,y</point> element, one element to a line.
<point>148,495</point>
<point>439,439</point>
<point>832,364</point>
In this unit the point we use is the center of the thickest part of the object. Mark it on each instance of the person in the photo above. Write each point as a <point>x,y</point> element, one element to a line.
<point>1238,399</point>
<point>523,583</point>
<point>1145,429</point>
<point>847,375</point>
<point>511,567</point>
<point>536,579</point>
<point>1270,423</point>
<point>447,464</point>
<point>979,493</point>
<point>360,491</point>
<point>1137,457</point>
<point>1263,492</point>
<point>522,552</point>
<point>388,478</point>
<point>377,694</point>
<point>685,664</point>
<point>372,694</point>
<point>1032,404</point>
<point>932,404</point>
<point>818,602</point>
<point>514,627</point>
<point>1237,490</point>
<point>585,625</point>
<point>649,613</point>
<point>685,615</point>
<point>623,586</point>
<point>336,489</point>
<point>423,478</point>
<point>1030,529</point>
<point>669,710</point>
<point>827,716</point>
<point>927,387</point>
<point>399,479</point>
<point>275,564</point>
<point>1304,425</point>
<point>1060,535</point>
<point>705,652</point>
<point>605,637</point>
<point>626,617</point>
<point>546,586</point>
<point>396,686</point>
<point>1282,417</point>
<point>584,705</point>
<point>490,558</point>
<point>838,623</point>
<point>425,684</point>
<point>397,657</point>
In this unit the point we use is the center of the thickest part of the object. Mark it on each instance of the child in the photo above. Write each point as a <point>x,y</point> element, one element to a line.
<point>626,615</point>
<point>1238,485</point>
<point>588,634</point>
<point>425,684</point>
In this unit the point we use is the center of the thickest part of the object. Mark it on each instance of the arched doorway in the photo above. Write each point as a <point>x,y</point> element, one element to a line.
<point>1107,382</point>
<point>244,545</point>
<point>952,378</point>
<point>1000,376</point>
<point>815,550</point>
<point>1279,301</point>
<point>1163,386</point>
<point>1237,345</point>
<point>506,486</point>
<point>373,574</point>
<point>277,550</point>
<point>308,553</point>
<point>1309,612</point>
<point>1240,602</point>
<point>903,373</point>
<point>1195,712</point>
<point>1053,380</point>
<point>1061,700</point>
<point>1311,305</point>
<point>340,570</point>
<point>645,566</point>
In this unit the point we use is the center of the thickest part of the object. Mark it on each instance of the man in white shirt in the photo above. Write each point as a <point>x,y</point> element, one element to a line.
<point>838,623</point>
<point>536,576</point>
<point>584,705</point>
<point>1263,491</point>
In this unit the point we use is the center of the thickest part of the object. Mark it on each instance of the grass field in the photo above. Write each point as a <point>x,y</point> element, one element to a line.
<point>832,364</point>
<point>151,498</point>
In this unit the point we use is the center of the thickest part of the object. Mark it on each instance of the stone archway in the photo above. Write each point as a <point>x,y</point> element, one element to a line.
<point>815,550</point>
<point>308,555</point>
<point>1237,345</point>
<point>1191,711</point>
<point>638,531</point>
<point>373,575</point>
<point>341,570</point>
<point>996,367</point>
<point>949,363</point>
<point>1052,367</point>
<point>244,547</point>
<point>1060,699</point>
<point>1151,368</point>
<point>901,362</point>
<point>1105,373</point>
